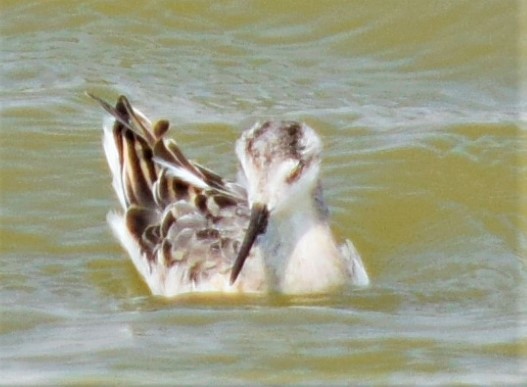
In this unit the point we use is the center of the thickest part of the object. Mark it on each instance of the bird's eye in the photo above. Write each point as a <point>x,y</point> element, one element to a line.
<point>296,172</point>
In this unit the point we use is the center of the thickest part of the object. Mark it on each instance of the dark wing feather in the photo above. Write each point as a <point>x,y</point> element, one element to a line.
<point>178,211</point>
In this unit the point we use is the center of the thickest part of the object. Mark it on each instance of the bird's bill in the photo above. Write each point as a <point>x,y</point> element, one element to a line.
<point>257,226</point>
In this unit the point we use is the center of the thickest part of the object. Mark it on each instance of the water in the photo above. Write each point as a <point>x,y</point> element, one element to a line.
<point>419,108</point>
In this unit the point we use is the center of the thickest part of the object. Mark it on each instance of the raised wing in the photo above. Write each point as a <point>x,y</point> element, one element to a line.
<point>182,223</point>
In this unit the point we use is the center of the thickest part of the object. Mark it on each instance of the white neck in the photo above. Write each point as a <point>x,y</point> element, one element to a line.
<point>300,252</point>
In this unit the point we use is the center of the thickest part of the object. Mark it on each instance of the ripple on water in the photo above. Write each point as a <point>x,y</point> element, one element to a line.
<point>422,171</point>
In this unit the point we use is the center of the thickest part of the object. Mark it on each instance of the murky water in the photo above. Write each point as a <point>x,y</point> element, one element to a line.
<point>418,104</point>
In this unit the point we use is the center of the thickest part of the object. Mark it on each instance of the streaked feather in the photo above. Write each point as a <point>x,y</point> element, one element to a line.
<point>173,206</point>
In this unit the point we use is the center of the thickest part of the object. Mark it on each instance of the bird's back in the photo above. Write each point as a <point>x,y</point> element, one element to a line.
<point>181,224</point>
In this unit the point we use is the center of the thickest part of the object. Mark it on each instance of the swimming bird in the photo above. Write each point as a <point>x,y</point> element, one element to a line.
<point>187,229</point>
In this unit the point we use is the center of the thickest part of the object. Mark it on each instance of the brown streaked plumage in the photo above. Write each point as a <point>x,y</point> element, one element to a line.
<point>187,229</point>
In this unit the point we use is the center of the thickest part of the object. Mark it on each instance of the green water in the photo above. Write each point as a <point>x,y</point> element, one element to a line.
<point>419,107</point>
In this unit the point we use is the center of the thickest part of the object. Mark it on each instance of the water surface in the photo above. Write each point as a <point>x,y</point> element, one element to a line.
<point>419,108</point>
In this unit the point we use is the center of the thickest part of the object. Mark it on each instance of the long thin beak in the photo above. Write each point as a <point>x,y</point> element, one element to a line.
<point>257,225</point>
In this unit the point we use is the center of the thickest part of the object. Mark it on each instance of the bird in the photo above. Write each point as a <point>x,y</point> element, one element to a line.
<point>188,229</point>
